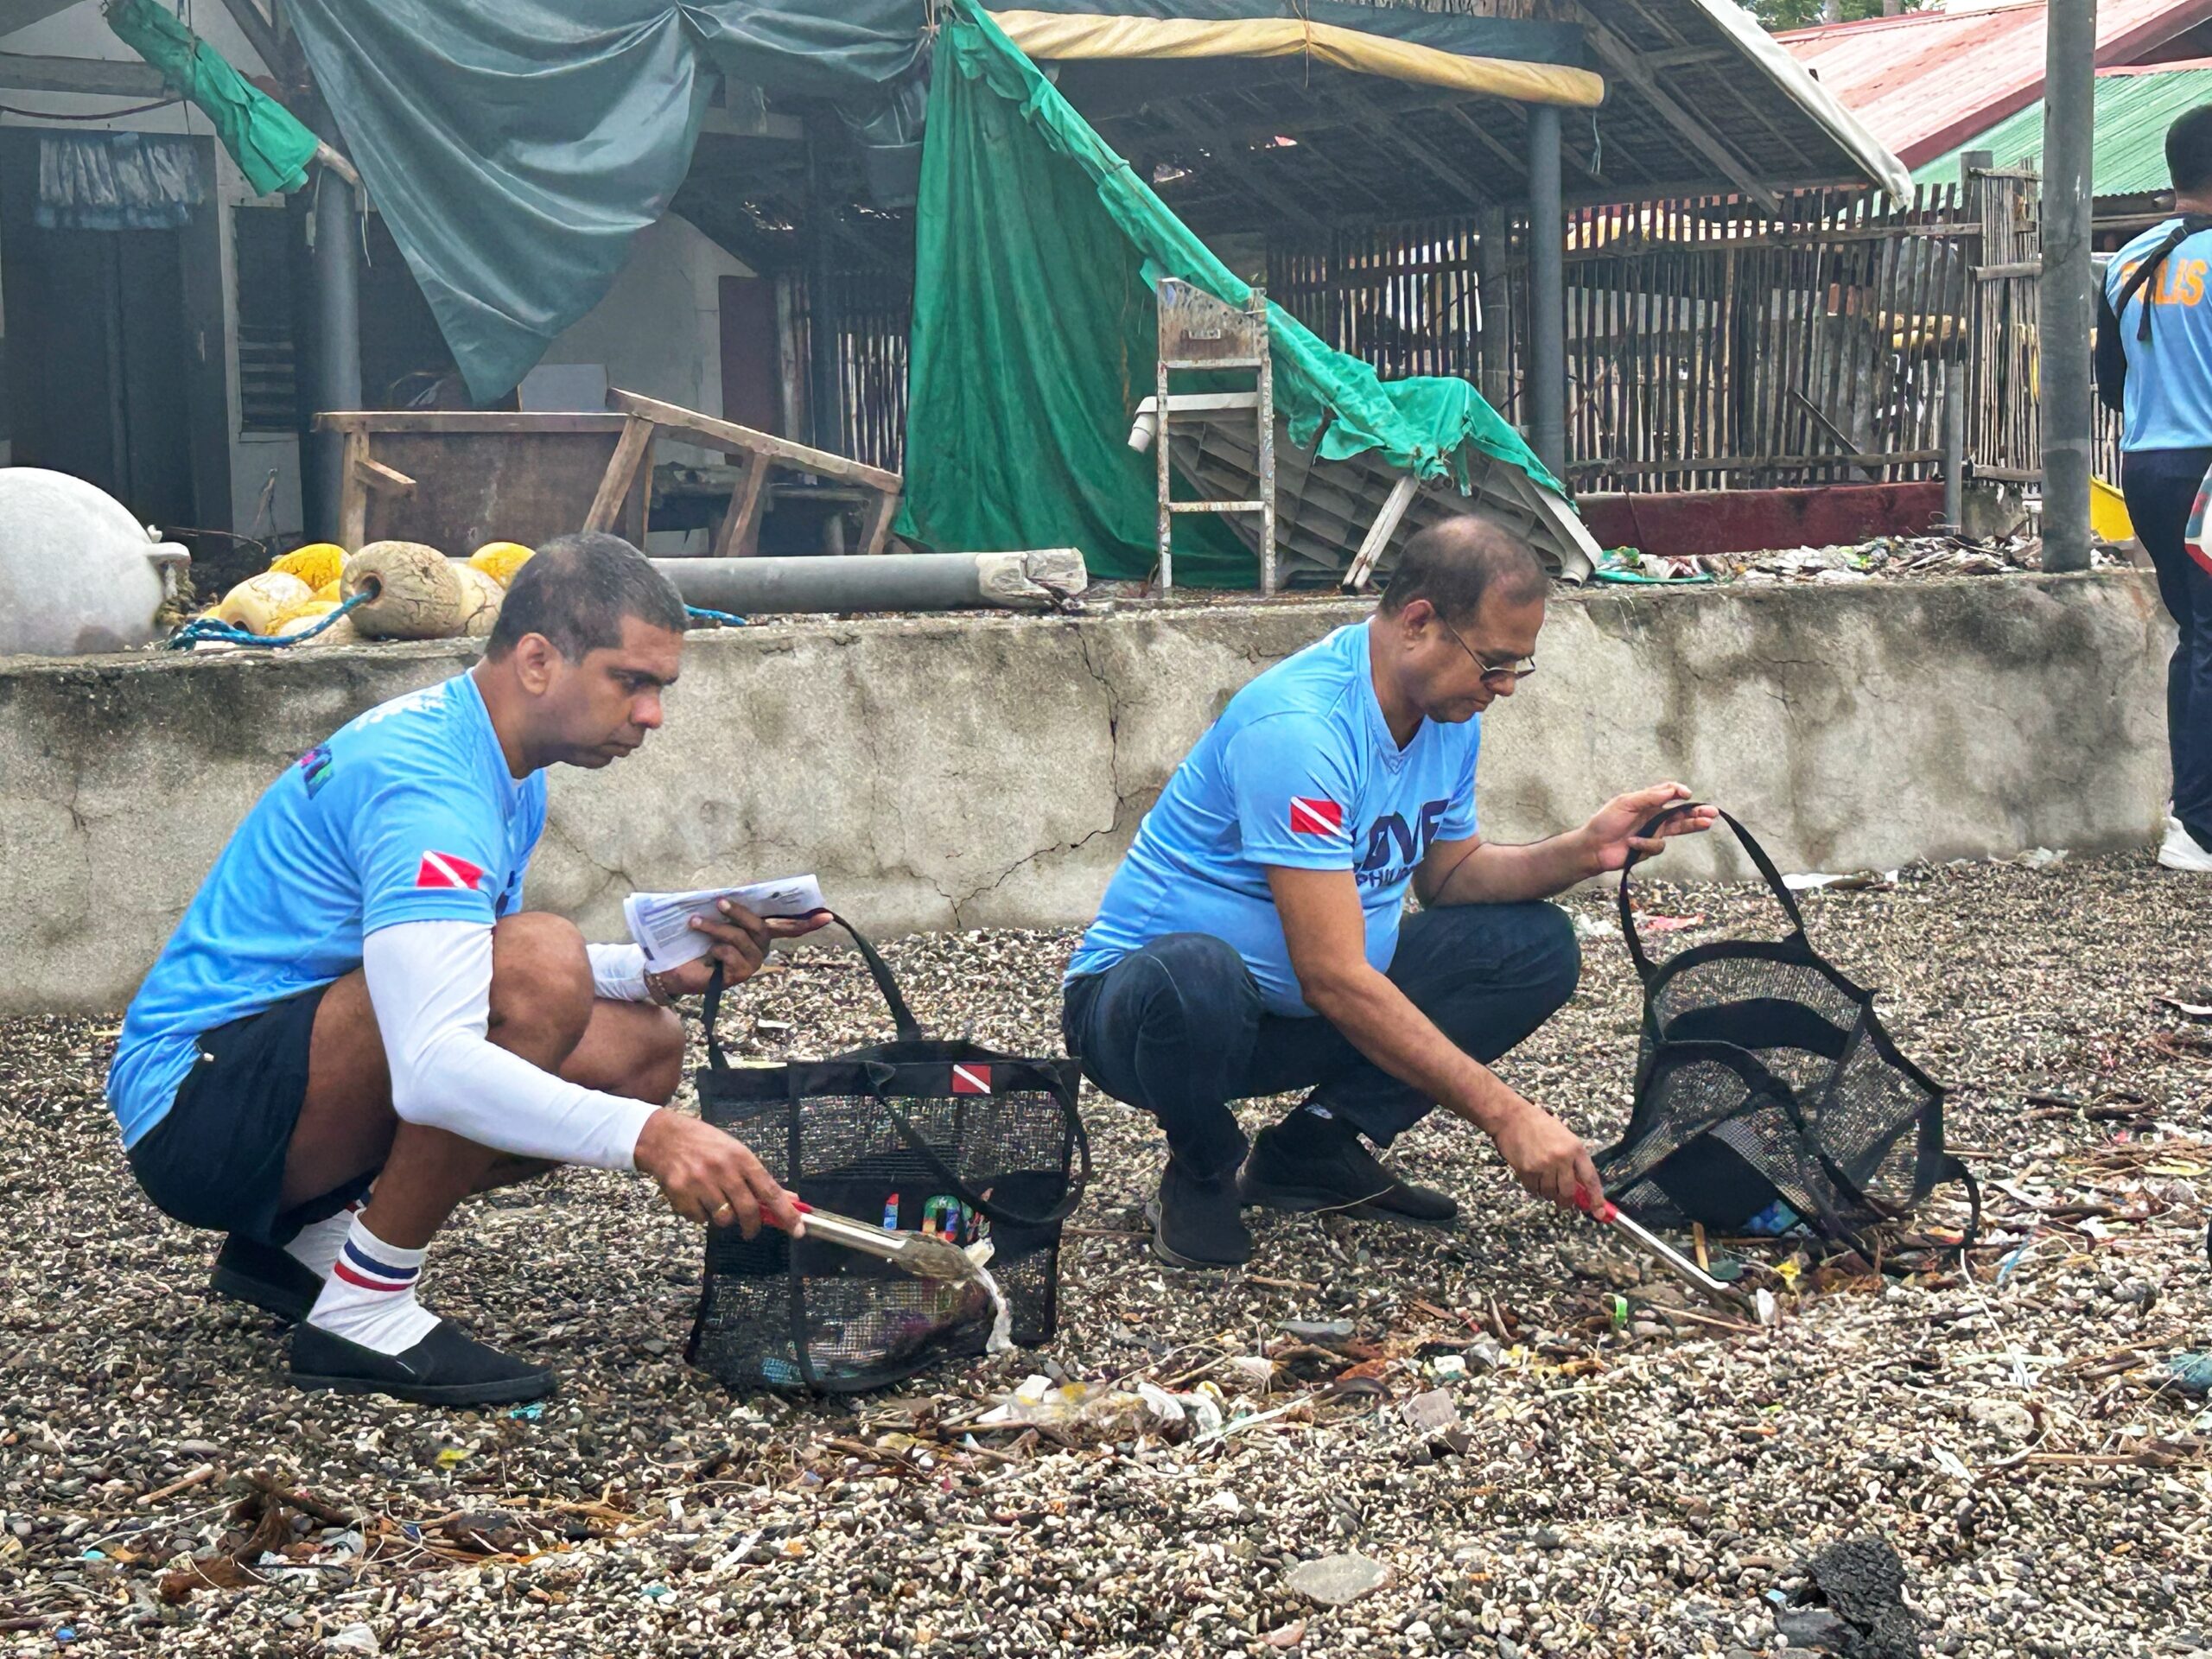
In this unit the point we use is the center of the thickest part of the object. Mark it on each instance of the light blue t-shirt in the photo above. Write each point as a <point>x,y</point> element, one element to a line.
<point>408,814</point>
<point>1302,771</point>
<point>2168,394</point>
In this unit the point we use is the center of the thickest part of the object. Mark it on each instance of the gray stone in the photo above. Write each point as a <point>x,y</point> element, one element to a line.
<point>1335,1580</point>
<point>1816,1628</point>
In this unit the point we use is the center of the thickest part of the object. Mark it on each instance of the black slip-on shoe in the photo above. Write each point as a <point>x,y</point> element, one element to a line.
<point>448,1368</point>
<point>1309,1163</point>
<point>269,1279</point>
<point>1195,1223</point>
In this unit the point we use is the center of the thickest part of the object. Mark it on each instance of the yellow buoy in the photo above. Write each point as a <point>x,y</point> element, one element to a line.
<point>306,614</point>
<point>255,603</point>
<point>417,595</point>
<point>317,564</point>
<point>333,590</point>
<point>500,559</point>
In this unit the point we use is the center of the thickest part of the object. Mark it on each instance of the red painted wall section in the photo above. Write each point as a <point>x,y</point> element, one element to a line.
<point>1753,521</point>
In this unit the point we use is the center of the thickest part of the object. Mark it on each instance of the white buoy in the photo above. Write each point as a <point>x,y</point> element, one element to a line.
<point>78,573</point>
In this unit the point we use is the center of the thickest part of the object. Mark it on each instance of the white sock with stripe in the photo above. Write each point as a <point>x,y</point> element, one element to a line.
<point>369,1298</point>
<point>317,1244</point>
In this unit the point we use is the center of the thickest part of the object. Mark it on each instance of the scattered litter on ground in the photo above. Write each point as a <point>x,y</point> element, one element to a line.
<point>1614,1475</point>
<point>1890,558</point>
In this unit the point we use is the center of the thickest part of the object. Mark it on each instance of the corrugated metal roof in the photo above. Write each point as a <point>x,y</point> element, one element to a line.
<point>2134,108</point>
<point>1926,82</point>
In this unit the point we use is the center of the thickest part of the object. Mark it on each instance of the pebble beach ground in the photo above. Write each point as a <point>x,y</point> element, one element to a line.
<point>1597,1477</point>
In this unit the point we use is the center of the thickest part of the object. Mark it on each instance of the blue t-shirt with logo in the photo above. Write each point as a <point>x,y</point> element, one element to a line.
<point>2168,392</point>
<point>408,814</point>
<point>1300,771</point>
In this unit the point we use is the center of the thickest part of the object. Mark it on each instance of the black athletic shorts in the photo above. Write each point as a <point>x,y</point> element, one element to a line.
<point>217,1160</point>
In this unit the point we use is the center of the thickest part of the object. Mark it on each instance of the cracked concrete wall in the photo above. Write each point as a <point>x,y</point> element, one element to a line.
<point>989,772</point>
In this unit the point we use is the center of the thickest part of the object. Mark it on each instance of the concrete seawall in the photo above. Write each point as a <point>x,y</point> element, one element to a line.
<point>989,772</point>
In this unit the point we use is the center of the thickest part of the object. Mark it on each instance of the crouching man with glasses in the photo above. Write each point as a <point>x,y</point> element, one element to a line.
<point>1253,941</point>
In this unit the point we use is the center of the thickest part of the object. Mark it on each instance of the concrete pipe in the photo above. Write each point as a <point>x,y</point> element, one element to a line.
<point>889,581</point>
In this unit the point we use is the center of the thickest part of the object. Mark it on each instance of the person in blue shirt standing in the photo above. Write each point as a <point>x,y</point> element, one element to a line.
<point>1253,940</point>
<point>2154,364</point>
<point>356,1023</point>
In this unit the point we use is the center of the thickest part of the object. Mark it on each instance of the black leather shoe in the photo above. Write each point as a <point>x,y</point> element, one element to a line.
<point>1195,1223</point>
<point>1308,1163</point>
<point>446,1368</point>
<point>269,1279</point>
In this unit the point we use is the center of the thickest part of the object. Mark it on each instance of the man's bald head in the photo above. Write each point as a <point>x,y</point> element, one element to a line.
<point>1456,563</point>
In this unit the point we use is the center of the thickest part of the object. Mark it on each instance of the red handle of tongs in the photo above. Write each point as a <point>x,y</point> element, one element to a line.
<point>1604,1212</point>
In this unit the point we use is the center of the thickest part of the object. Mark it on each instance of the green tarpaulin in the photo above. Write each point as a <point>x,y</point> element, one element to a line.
<point>1033,338</point>
<point>269,145</point>
<point>516,148</point>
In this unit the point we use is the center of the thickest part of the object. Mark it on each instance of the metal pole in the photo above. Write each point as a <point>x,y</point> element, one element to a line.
<point>1954,446</point>
<point>2065,320</point>
<point>338,329</point>
<point>1547,292</point>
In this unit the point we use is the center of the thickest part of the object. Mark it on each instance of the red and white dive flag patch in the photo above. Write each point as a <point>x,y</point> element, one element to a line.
<point>970,1078</point>
<point>447,870</point>
<point>1310,816</point>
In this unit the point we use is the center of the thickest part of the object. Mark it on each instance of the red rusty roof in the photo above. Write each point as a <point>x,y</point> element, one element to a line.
<point>1926,82</point>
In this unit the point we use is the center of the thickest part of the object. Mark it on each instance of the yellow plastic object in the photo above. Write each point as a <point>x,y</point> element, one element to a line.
<point>500,559</point>
<point>2108,520</point>
<point>318,564</point>
<point>255,603</point>
<point>306,612</point>
<point>332,590</point>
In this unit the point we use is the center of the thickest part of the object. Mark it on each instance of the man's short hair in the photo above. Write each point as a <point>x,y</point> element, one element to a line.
<point>1455,562</point>
<point>577,590</point>
<point>2188,150</point>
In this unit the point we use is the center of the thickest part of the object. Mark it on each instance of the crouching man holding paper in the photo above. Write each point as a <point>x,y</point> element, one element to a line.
<point>356,1024</point>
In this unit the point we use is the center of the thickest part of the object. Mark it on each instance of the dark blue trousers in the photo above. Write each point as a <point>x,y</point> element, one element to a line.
<point>1176,1029</point>
<point>2161,487</point>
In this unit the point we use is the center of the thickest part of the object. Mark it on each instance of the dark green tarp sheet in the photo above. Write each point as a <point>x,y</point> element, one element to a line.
<point>1034,338</point>
<point>517,147</point>
<point>264,138</point>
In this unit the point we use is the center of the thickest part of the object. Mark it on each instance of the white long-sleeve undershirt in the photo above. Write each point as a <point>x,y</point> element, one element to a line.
<point>430,984</point>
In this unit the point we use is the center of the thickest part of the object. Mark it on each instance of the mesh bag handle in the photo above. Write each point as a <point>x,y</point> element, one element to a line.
<point>1759,860</point>
<point>881,1078</point>
<point>910,1029</point>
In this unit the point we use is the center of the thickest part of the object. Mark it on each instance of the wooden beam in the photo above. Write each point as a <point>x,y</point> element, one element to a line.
<point>260,32</point>
<point>1230,154</point>
<point>1421,151</point>
<point>743,440</point>
<point>1622,59</point>
<point>1689,57</point>
<point>21,73</point>
<point>353,493</point>
<point>384,480</point>
<point>631,456</point>
<point>740,536</point>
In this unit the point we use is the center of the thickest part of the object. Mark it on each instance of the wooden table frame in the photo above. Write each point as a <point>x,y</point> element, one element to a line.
<point>739,536</point>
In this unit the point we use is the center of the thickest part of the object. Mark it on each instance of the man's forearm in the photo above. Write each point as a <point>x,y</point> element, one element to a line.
<point>1382,1023</point>
<point>1499,874</point>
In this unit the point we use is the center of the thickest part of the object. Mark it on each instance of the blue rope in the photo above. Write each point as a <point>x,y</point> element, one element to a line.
<point>716,618</point>
<point>207,627</point>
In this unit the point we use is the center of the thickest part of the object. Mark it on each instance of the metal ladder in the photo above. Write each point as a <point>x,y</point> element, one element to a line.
<point>1198,330</point>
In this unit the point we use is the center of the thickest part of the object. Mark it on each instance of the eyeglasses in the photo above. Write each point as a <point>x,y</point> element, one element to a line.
<point>1494,679</point>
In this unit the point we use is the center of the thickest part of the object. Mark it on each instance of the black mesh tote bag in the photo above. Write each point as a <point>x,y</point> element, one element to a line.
<point>1765,1077</point>
<point>927,1135</point>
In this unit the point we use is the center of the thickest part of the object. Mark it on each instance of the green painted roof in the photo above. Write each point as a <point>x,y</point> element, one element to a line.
<point>2135,109</point>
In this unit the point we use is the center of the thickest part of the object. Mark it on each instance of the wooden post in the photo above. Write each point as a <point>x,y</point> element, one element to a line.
<point>632,452</point>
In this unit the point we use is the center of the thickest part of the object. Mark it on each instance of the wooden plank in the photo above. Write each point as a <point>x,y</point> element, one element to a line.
<point>464,421</point>
<point>728,434</point>
<point>631,456</point>
<point>353,493</point>
<point>740,535</point>
<point>383,479</point>
<point>1379,532</point>
<point>875,526</point>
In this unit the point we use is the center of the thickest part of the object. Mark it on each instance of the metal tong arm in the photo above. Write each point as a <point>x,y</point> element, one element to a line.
<point>1683,1268</point>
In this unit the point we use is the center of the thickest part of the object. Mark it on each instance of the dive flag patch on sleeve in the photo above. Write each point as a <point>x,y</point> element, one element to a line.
<point>1311,816</point>
<point>447,870</point>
